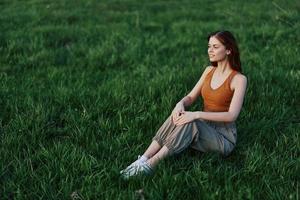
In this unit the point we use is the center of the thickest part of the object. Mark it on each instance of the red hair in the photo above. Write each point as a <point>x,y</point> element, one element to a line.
<point>228,40</point>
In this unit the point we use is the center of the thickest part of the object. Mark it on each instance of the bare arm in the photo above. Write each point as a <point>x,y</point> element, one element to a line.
<point>192,96</point>
<point>240,84</point>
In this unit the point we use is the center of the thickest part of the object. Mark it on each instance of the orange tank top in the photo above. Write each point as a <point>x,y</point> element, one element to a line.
<point>219,99</point>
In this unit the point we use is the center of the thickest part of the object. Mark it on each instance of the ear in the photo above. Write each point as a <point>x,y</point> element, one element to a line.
<point>228,52</point>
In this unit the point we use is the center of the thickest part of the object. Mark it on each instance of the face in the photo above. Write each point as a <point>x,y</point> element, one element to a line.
<point>216,50</point>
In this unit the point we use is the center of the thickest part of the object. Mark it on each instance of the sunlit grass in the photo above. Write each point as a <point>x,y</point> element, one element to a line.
<point>85,85</point>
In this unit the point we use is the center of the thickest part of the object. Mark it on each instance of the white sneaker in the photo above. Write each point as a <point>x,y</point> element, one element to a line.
<point>140,169</point>
<point>135,163</point>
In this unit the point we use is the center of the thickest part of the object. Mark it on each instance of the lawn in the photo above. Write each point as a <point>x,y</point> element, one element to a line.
<point>85,85</point>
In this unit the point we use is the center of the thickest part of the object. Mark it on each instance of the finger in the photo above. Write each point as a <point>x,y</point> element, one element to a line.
<point>173,119</point>
<point>179,118</point>
<point>182,119</point>
<point>187,120</point>
<point>176,115</point>
<point>176,121</point>
<point>182,122</point>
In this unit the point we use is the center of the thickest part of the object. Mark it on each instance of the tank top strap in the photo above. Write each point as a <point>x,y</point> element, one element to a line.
<point>232,75</point>
<point>210,73</point>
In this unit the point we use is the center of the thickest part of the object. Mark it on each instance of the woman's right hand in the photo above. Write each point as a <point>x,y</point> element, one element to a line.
<point>179,108</point>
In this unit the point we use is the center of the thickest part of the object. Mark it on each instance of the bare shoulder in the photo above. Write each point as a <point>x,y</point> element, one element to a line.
<point>207,70</point>
<point>239,80</point>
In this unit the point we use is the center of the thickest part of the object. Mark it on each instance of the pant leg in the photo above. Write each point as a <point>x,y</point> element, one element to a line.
<point>209,139</point>
<point>167,128</point>
<point>181,137</point>
<point>198,135</point>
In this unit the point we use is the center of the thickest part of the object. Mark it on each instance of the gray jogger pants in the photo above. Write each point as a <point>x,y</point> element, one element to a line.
<point>201,135</point>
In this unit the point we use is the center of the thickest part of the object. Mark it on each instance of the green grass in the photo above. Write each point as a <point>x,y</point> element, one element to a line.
<point>84,86</point>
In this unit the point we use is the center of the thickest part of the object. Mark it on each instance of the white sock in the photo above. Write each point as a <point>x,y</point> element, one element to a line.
<point>143,158</point>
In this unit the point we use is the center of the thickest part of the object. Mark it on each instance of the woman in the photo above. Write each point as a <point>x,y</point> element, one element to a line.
<point>222,87</point>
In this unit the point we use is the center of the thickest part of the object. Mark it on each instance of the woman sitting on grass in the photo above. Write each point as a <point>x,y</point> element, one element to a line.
<point>222,87</point>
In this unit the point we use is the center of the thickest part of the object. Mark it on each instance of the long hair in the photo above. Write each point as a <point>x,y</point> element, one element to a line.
<point>228,40</point>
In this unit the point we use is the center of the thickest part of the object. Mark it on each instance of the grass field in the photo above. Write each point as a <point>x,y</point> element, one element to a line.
<point>85,84</point>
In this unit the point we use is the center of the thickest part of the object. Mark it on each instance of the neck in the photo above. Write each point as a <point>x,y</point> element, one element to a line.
<point>223,66</point>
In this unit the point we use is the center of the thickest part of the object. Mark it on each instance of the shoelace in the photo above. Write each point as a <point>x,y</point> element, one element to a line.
<point>137,162</point>
<point>141,168</point>
<point>137,170</point>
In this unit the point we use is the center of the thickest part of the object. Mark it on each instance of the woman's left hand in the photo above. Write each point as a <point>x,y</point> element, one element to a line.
<point>185,117</point>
